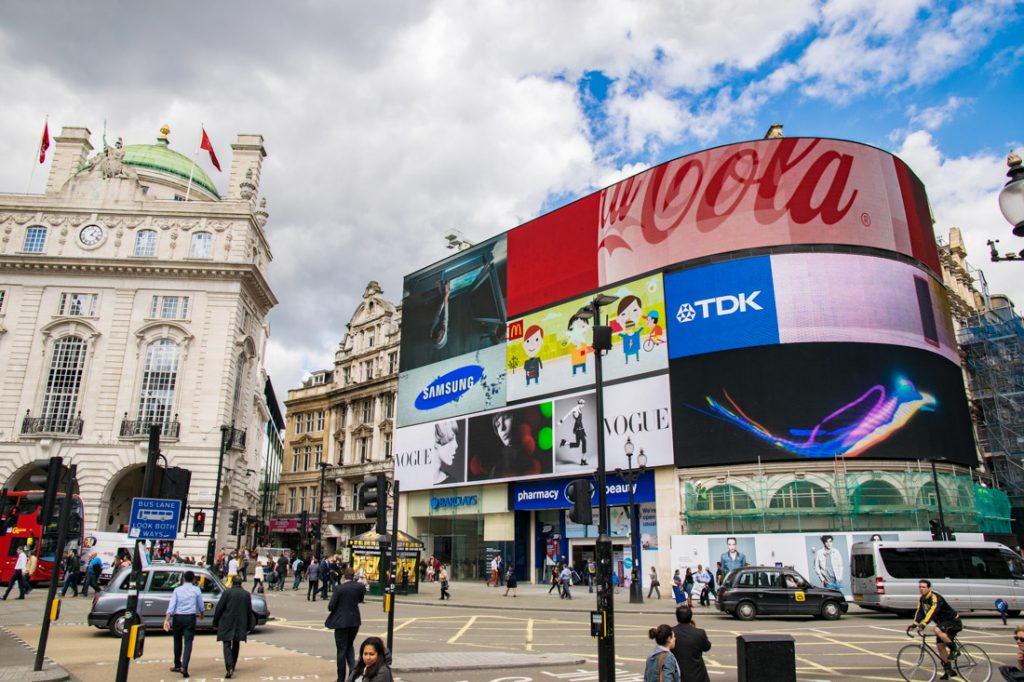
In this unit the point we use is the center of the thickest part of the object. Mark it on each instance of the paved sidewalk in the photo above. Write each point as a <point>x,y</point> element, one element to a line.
<point>19,658</point>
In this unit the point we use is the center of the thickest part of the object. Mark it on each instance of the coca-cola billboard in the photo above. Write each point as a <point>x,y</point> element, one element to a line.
<point>741,196</point>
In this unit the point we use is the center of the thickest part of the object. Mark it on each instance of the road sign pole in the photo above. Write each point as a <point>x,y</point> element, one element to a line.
<point>58,558</point>
<point>394,562</point>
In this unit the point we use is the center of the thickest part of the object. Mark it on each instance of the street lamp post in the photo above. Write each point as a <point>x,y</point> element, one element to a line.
<point>320,512</point>
<point>631,476</point>
<point>1011,203</point>
<point>226,433</point>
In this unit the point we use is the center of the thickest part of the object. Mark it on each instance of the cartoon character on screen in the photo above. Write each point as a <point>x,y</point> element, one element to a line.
<point>579,330</point>
<point>577,430</point>
<point>627,324</point>
<point>532,342</point>
<point>655,336</point>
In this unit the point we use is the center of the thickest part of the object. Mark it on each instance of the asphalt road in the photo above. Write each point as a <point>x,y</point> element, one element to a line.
<point>295,646</point>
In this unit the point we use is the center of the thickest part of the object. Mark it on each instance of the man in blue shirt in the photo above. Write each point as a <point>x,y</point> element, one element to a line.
<point>186,605</point>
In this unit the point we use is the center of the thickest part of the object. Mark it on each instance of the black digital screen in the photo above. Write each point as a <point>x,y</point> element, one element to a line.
<point>819,401</point>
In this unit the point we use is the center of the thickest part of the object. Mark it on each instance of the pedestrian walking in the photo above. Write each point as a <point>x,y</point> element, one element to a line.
<point>704,578</point>
<point>655,583</point>
<point>691,643</point>
<point>373,665</point>
<point>282,571</point>
<point>344,619</point>
<point>72,568</point>
<point>92,574</point>
<point>556,580</point>
<point>325,577</point>
<point>257,578</point>
<point>185,607</point>
<point>312,580</point>
<point>688,587</point>
<point>591,575</point>
<point>443,577</point>
<point>297,567</point>
<point>510,582</point>
<point>661,664</point>
<point>17,577</point>
<point>233,619</point>
<point>677,587</point>
<point>566,579</point>
<point>32,565</point>
<point>493,578</point>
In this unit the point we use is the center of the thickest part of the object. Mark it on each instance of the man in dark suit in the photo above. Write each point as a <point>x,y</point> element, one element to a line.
<point>344,619</point>
<point>233,619</point>
<point>691,643</point>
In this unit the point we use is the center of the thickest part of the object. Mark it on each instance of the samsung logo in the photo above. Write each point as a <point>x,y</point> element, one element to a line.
<point>449,387</point>
<point>453,502</point>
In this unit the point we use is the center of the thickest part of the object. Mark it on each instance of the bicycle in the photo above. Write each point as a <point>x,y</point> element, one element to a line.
<point>921,662</point>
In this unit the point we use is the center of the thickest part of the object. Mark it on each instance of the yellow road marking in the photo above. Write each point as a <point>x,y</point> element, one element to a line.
<point>529,635</point>
<point>856,648</point>
<point>461,632</point>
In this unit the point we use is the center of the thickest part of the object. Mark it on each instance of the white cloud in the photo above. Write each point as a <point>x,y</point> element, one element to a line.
<point>937,116</point>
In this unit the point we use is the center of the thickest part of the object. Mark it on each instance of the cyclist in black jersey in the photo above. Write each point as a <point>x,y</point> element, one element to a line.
<point>933,609</point>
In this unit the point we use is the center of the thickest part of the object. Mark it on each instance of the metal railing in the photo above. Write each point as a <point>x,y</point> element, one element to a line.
<point>139,428</point>
<point>51,426</point>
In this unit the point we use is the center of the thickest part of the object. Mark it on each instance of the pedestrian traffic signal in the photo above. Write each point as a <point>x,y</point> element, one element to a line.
<point>199,522</point>
<point>314,532</point>
<point>373,497</point>
<point>236,517</point>
<point>49,480</point>
<point>303,524</point>
<point>580,492</point>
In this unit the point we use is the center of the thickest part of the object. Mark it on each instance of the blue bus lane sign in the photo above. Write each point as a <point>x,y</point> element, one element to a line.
<point>154,519</point>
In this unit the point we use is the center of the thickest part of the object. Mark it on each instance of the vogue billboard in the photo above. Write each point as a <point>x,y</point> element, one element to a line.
<point>740,196</point>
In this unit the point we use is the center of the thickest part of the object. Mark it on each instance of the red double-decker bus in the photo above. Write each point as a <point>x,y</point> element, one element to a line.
<point>26,532</point>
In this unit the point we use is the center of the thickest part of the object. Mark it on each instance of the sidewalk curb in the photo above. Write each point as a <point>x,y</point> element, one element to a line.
<point>51,672</point>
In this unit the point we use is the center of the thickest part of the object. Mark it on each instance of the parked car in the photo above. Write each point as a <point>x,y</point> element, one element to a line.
<point>158,581</point>
<point>764,590</point>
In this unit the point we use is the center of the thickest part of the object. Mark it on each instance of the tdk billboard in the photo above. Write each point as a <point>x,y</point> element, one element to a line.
<point>721,306</point>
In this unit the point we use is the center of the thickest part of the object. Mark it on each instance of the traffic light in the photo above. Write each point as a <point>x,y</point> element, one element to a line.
<point>374,499</point>
<point>303,524</point>
<point>236,517</point>
<point>314,532</point>
<point>49,481</point>
<point>199,522</point>
<point>580,492</point>
<point>74,517</point>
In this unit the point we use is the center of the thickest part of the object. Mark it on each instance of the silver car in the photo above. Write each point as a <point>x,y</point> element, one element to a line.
<point>158,581</point>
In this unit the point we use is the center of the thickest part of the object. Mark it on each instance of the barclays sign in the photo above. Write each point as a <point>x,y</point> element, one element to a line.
<point>453,502</point>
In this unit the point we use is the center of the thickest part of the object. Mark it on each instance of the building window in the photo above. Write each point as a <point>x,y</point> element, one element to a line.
<point>318,454</point>
<point>345,375</point>
<point>388,405</point>
<point>236,400</point>
<point>302,498</point>
<point>309,422</point>
<point>337,497</point>
<point>3,297</point>
<point>305,458</point>
<point>159,376</point>
<point>202,245</point>
<point>169,307</point>
<point>722,498</point>
<point>312,499</point>
<point>77,305</point>
<point>367,370</point>
<point>364,450</point>
<point>392,363</point>
<point>367,410</point>
<point>63,382</point>
<point>370,337</point>
<point>320,420</point>
<point>145,243</point>
<point>35,240</point>
<point>802,495</point>
<point>291,500</point>
<point>387,446</point>
<point>295,459</point>
<point>341,451</point>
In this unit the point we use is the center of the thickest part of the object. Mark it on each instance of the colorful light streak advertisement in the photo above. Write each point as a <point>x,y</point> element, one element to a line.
<point>804,297</point>
<point>549,351</point>
<point>730,198</point>
<point>819,401</point>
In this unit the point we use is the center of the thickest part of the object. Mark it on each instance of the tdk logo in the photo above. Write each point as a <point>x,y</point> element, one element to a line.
<point>719,306</point>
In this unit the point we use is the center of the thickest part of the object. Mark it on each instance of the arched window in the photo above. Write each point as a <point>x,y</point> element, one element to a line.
<point>145,243</point>
<point>723,498</point>
<point>159,377</point>
<point>202,245</point>
<point>236,400</point>
<point>35,239</point>
<point>877,494</point>
<point>802,495</point>
<point>67,365</point>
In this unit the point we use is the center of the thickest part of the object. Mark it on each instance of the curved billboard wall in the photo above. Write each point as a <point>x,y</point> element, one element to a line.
<point>807,297</point>
<point>814,401</point>
<point>740,196</point>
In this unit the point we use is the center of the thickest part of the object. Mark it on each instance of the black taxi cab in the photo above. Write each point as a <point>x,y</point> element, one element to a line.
<point>763,590</point>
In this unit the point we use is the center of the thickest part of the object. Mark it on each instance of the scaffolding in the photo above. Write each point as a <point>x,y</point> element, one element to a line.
<point>845,501</point>
<point>992,346</point>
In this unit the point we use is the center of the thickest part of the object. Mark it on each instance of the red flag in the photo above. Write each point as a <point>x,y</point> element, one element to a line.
<point>208,146</point>
<point>44,144</point>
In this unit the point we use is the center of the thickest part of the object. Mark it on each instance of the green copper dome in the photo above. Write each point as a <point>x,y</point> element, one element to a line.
<point>160,157</point>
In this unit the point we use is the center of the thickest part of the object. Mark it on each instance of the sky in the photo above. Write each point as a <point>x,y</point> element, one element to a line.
<point>389,124</point>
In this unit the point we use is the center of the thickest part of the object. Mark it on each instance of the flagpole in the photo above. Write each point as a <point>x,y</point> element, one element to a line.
<point>39,148</point>
<point>193,171</point>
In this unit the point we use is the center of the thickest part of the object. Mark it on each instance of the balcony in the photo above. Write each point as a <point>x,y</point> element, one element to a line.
<point>234,439</point>
<point>138,429</point>
<point>52,427</point>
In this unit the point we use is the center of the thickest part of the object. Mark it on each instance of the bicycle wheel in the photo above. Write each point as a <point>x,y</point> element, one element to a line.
<point>973,663</point>
<point>917,663</point>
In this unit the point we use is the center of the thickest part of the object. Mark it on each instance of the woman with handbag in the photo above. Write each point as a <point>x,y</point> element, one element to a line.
<point>655,583</point>
<point>662,665</point>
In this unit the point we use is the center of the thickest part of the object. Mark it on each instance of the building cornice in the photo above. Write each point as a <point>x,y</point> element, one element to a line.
<point>250,277</point>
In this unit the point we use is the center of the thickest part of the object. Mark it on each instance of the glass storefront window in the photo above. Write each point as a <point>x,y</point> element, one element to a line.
<point>458,542</point>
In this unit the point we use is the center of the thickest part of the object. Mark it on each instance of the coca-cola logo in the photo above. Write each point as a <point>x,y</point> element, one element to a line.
<point>795,179</point>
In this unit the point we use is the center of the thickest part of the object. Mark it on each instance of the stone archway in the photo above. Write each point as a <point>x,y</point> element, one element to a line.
<point>21,479</point>
<point>116,506</point>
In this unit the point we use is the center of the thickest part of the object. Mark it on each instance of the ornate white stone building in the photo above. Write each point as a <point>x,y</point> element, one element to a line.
<point>131,294</point>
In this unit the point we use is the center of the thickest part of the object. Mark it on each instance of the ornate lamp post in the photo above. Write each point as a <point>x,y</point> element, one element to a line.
<point>1011,203</point>
<point>631,476</point>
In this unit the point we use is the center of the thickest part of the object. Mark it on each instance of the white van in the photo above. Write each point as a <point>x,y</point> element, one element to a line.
<point>108,546</point>
<point>971,576</point>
